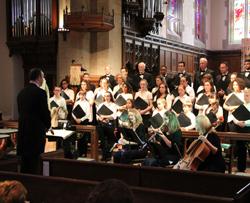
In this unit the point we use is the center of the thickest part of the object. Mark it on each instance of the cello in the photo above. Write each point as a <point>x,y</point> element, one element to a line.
<point>197,153</point>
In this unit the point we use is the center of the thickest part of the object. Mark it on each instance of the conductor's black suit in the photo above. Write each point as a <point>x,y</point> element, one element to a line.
<point>34,120</point>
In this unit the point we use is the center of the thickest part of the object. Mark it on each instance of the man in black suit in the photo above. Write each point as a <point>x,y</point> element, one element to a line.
<point>167,78</point>
<point>110,78</point>
<point>34,120</point>
<point>125,76</point>
<point>142,74</point>
<point>246,73</point>
<point>181,73</point>
<point>222,82</point>
<point>203,69</point>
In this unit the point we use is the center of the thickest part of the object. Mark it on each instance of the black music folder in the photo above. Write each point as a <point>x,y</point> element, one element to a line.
<point>184,120</point>
<point>120,101</point>
<point>156,121</point>
<point>118,92</point>
<point>241,113</point>
<point>104,110</point>
<point>78,112</point>
<point>99,99</point>
<point>64,95</point>
<point>233,100</point>
<point>53,104</point>
<point>140,103</point>
<point>178,106</point>
<point>212,117</point>
<point>203,100</point>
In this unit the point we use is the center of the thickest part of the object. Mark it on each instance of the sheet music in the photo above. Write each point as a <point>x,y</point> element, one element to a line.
<point>64,134</point>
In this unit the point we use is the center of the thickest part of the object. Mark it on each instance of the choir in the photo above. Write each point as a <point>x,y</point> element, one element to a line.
<point>126,109</point>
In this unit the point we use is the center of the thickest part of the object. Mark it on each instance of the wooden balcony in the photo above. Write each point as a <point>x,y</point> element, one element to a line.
<point>89,22</point>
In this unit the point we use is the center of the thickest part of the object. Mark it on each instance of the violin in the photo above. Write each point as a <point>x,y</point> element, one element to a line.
<point>197,153</point>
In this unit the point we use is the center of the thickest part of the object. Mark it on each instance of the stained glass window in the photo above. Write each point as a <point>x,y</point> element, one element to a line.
<point>173,16</point>
<point>199,20</point>
<point>239,26</point>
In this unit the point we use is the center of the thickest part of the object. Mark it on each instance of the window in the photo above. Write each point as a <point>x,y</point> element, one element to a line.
<point>200,20</point>
<point>174,16</point>
<point>239,27</point>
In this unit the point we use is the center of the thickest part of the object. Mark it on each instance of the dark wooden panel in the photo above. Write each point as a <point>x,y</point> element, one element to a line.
<point>185,59</point>
<point>162,57</point>
<point>179,57</point>
<point>168,59</point>
<point>233,58</point>
<point>174,61</point>
<point>190,64</point>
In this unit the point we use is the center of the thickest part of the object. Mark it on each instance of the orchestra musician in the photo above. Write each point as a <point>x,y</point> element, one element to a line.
<point>166,143</point>
<point>132,136</point>
<point>214,161</point>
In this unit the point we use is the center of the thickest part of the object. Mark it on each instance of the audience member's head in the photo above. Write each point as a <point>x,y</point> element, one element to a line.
<point>12,192</point>
<point>111,191</point>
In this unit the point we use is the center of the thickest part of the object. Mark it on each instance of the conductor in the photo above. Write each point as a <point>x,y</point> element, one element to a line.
<point>34,120</point>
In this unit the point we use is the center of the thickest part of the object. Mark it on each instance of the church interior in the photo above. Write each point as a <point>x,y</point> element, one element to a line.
<point>133,88</point>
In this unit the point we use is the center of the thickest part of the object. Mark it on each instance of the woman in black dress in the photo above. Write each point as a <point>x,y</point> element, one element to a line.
<point>166,145</point>
<point>214,162</point>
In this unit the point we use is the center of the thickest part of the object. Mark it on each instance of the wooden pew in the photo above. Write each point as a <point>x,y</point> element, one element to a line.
<point>206,183</point>
<point>202,183</point>
<point>92,170</point>
<point>57,190</point>
<point>51,189</point>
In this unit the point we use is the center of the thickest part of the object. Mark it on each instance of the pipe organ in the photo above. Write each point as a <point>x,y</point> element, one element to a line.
<point>32,18</point>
